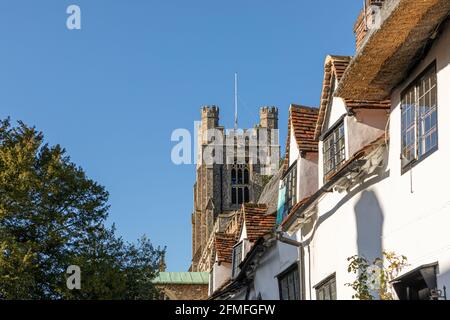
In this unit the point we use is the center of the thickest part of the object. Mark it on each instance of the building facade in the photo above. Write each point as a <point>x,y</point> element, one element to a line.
<point>366,178</point>
<point>242,162</point>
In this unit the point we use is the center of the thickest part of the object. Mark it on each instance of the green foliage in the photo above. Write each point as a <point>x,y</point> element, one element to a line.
<point>53,216</point>
<point>374,278</point>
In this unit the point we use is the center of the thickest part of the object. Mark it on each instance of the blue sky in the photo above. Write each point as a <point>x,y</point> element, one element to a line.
<point>113,92</point>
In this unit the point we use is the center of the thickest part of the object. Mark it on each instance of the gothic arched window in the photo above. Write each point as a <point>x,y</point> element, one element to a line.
<point>233,176</point>
<point>233,196</point>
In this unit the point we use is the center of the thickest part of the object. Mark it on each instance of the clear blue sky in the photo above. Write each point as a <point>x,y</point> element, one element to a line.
<point>112,93</point>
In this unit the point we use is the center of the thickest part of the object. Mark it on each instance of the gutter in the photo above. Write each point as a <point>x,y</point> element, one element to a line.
<point>301,255</point>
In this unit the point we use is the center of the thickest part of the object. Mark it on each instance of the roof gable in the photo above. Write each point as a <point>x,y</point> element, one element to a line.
<point>334,70</point>
<point>224,244</point>
<point>256,221</point>
<point>302,121</point>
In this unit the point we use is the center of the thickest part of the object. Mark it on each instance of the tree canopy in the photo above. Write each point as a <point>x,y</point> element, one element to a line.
<point>53,216</point>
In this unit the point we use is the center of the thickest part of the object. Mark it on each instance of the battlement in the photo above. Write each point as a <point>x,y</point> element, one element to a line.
<point>269,110</point>
<point>268,117</point>
<point>210,111</point>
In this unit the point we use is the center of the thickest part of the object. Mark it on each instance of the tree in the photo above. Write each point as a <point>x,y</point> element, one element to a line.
<point>53,216</point>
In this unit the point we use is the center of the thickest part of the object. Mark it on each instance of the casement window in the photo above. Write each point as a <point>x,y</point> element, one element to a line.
<point>237,258</point>
<point>290,183</point>
<point>326,290</point>
<point>419,118</point>
<point>289,284</point>
<point>333,149</point>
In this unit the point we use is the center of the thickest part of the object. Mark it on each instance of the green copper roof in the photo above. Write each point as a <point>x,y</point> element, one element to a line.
<point>182,278</point>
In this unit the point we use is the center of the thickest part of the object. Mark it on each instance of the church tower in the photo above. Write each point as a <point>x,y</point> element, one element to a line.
<point>221,188</point>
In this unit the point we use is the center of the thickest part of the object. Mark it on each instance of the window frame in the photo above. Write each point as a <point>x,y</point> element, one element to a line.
<point>326,153</point>
<point>326,284</point>
<point>290,182</point>
<point>235,265</point>
<point>408,164</point>
<point>240,184</point>
<point>293,271</point>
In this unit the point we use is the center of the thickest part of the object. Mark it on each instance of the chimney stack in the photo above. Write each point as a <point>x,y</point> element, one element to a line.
<point>366,20</point>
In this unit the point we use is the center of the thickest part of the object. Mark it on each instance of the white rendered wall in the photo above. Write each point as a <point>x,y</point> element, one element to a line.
<point>408,214</point>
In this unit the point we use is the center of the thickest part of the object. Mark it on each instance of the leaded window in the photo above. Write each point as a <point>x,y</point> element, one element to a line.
<point>290,183</point>
<point>419,118</point>
<point>237,259</point>
<point>334,149</point>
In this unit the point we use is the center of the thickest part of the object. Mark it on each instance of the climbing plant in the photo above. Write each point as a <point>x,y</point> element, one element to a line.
<point>373,279</point>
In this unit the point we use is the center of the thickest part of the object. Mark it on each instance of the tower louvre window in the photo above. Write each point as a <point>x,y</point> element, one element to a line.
<point>246,176</point>
<point>240,196</point>
<point>240,189</point>
<point>246,195</point>
<point>240,180</point>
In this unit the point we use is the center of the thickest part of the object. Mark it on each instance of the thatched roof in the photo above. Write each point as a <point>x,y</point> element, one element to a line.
<point>389,52</point>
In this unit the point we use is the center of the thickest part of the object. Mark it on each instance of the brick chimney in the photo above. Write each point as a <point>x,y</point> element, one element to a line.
<point>366,20</point>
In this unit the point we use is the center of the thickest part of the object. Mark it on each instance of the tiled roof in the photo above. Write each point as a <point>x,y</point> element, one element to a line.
<point>336,66</point>
<point>224,244</point>
<point>182,278</point>
<point>257,221</point>
<point>303,121</point>
<point>294,209</point>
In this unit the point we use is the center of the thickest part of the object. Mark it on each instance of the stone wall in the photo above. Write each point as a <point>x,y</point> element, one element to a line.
<point>184,291</point>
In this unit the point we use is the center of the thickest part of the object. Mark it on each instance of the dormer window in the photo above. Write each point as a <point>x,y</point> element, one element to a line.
<point>334,149</point>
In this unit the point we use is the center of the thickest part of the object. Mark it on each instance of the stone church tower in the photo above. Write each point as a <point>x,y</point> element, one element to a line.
<point>221,188</point>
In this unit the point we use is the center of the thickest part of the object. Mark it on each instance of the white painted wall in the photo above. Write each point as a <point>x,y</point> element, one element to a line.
<point>293,148</point>
<point>335,111</point>
<point>275,260</point>
<point>408,214</point>
<point>365,127</point>
<point>307,175</point>
<point>221,273</point>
